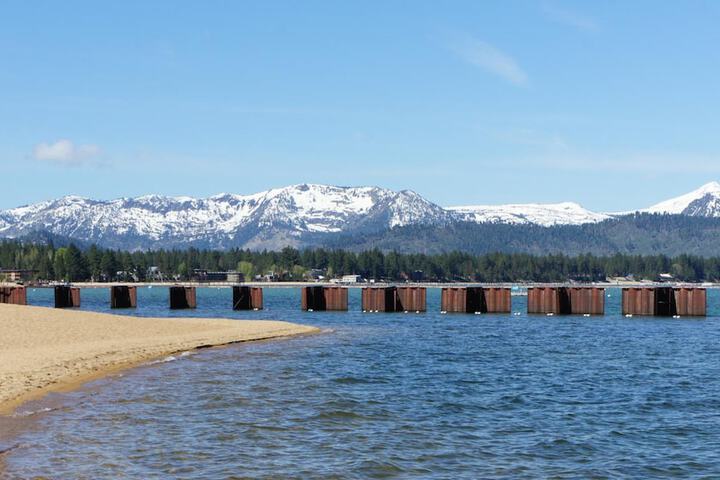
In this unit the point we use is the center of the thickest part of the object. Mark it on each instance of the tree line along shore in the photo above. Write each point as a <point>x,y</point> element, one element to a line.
<point>70,263</point>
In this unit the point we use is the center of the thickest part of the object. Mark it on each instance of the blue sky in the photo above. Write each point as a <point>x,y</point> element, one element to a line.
<point>611,104</point>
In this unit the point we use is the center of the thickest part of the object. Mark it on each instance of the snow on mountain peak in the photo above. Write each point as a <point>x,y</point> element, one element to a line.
<point>565,213</point>
<point>705,201</point>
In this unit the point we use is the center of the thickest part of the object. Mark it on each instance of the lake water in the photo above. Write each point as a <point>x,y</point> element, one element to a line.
<point>397,396</point>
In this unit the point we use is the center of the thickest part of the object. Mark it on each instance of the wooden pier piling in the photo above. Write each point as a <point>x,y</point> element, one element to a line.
<point>587,301</point>
<point>566,300</point>
<point>411,299</point>
<point>475,300</point>
<point>182,298</point>
<point>67,297</point>
<point>690,302</point>
<point>379,299</point>
<point>394,299</point>
<point>13,295</point>
<point>320,299</point>
<point>123,296</point>
<point>664,301</point>
<point>247,298</point>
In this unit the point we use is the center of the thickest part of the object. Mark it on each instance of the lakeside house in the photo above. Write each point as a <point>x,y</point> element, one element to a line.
<point>17,274</point>
<point>202,275</point>
<point>155,274</point>
<point>316,274</point>
<point>351,279</point>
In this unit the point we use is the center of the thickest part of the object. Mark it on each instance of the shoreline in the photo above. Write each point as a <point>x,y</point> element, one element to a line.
<point>45,350</point>
<point>15,421</point>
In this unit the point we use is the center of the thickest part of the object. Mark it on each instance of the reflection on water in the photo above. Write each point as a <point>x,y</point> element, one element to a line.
<point>398,396</point>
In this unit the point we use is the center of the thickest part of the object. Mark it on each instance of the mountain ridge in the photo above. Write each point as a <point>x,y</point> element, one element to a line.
<point>297,215</point>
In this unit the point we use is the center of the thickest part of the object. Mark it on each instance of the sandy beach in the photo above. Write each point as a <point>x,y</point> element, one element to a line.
<point>44,350</point>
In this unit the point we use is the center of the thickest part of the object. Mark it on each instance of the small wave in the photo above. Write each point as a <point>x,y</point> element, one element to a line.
<point>512,399</point>
<point>350,380</point>
<point>380,469</point>
<point>564,446</point>
<point>30,413</point>
<point>339,415</point>
<point>171,358</point>
<point>3,451</point>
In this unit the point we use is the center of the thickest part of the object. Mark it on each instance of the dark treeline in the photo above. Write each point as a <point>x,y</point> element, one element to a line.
<point>94,263</point>
<point>639,234</point>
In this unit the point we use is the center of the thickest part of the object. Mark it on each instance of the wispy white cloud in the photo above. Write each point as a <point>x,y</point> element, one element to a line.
<point>571,18</point>
<point>65,152</point>
<point>489,58</point>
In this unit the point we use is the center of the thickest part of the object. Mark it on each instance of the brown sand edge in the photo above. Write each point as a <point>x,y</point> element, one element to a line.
<point>74,382</point>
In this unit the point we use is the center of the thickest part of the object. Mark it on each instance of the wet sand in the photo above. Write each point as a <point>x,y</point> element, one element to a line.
<point>44,350</point>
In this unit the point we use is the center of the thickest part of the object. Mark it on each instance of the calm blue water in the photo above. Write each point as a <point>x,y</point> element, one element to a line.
<point>399,396</point>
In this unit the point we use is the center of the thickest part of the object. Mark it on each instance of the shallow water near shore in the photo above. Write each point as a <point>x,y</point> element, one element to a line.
<point>395,396</point>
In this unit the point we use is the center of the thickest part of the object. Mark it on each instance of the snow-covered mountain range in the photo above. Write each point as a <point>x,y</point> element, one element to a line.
<point>270,219</point>
<point>296,215</point>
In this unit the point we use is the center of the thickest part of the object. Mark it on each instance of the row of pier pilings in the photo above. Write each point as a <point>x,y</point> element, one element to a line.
<point>556,300</point>
<point>125,296</point>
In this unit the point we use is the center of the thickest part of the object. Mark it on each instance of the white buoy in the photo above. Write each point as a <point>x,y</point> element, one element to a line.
<point>629,315</point>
